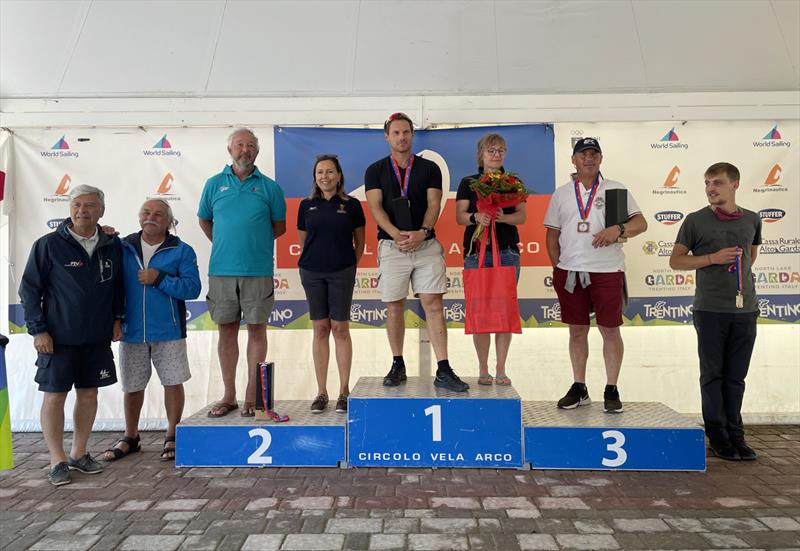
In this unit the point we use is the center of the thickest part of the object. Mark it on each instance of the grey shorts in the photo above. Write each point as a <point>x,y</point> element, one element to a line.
<point>423,268</point>
<point>234,298</point>
<point>168,357</point>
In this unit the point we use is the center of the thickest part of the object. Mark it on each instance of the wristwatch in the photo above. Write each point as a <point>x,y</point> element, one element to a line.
<point>621,229</point>
<point>428,231</point>
<point>472,219</point>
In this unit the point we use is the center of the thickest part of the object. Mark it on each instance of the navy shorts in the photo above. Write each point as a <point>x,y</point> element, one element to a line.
<point>329,294</point>
<point>84,366</point>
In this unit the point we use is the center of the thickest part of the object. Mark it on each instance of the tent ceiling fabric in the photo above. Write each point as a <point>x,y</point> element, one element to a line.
<point>250,48</point>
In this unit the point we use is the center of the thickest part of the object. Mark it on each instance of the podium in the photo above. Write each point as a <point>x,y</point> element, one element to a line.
<point>306,440</point>
<point>418,425</point>
<point>647,436</point>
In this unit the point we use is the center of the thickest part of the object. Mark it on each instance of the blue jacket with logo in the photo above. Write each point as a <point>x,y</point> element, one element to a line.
<point>157,312</point>
<point>72,297</point>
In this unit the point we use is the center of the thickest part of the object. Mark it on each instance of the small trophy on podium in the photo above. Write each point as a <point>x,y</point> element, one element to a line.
<point>617,210</point>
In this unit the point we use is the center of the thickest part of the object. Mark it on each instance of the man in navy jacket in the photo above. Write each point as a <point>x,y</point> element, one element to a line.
<point>160,274</point>
<point>73,299</point>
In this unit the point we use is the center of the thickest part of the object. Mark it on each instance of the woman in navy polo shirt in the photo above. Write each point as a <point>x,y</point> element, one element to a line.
<point>491,154</point>
<point>330,227</point>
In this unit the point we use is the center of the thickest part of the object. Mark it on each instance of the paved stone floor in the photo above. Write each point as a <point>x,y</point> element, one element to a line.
<point>142,503</point>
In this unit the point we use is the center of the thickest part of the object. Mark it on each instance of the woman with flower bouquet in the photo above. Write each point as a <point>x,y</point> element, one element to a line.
<point>499,196</point>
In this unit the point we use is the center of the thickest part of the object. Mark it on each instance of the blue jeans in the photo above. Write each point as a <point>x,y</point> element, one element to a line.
<point>508,257</point>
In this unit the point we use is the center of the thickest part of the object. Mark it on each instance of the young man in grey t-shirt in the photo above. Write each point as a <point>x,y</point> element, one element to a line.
<point>723,239</point>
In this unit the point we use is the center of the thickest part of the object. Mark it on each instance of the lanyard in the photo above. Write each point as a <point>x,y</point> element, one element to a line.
<point>402,181</point>
<point>736,268</point>
<point>584,212</point>
<point>265,383</point>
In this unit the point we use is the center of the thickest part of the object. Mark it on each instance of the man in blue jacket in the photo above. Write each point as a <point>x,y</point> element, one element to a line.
<point>72,296</point>
<point>160,274</point>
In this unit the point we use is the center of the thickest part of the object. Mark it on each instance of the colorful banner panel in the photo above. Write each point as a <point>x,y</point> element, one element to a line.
<point>6,451</point>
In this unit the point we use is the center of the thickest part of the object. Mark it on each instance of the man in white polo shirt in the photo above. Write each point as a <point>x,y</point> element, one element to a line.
<point>589,268</point>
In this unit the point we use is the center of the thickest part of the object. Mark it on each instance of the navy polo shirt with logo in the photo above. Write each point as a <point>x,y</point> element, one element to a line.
<point>243,213</point>
<point>329,226</point>
<point>425,175</point>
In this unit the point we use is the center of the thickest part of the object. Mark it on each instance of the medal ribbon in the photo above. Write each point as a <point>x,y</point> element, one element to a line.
<point>402,181</point>
<point>274,415</point>
<point>584,212</point>
<point>736,268</point>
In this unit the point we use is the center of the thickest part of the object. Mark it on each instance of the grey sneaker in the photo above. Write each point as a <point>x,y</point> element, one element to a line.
<point>85,464</point>
<point>59,475</point>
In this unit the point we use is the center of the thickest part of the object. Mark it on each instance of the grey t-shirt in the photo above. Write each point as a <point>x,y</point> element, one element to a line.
<point>703,233</point>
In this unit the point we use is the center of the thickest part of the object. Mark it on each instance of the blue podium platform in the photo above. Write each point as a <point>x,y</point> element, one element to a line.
<point>306,440</point>
<point>645,437</point>
<point>419,425</point>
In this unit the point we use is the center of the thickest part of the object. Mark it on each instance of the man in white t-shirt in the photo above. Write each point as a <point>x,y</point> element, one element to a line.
<point>589,268</point>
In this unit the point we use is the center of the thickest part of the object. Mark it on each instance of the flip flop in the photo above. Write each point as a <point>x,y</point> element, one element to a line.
<point>223,409</point>
<point>133,447</point>
<point>248,409</point>
<point>502,380</point>
<point>485,380</point>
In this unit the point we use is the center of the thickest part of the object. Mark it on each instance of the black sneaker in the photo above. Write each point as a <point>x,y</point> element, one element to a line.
<point>59,475</point>
<point>396,375</point>
<point>449,380</point>
<point>577,395</point>
<point>319,404</point>
<point>746,453</point>
<point>611,401</point>
<point>341,404</point>
<point>726,451</point>
<point>85,464</point>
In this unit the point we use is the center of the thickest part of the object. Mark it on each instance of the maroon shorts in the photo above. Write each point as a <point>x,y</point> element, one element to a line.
<point>604,296</point>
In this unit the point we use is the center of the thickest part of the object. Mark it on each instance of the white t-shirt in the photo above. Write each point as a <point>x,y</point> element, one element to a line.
<point>577,253</point>
<point>88,243</point>
<point>148,251</point>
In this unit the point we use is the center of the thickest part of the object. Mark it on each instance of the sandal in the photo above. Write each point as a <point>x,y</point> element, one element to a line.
<point>502,380</point>
<point>485,380</point>
<point>168,454</point>
<point>222,409</point>
<point>248,409</point>
<point>117,453</point>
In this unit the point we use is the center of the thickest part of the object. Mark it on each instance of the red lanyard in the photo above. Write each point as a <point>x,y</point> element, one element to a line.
<point>402,181</point>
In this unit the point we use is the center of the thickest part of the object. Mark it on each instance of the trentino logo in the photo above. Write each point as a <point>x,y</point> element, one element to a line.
<point>60,149</point>
<point>164,189</point>
<point>61,193</point>
<point>771,215</point>
<point>772,138</point>
<point>772,181</point>
<point>668,217</point>
<point>670,140</point>
<point>162,148</point>
<point>670,185</point>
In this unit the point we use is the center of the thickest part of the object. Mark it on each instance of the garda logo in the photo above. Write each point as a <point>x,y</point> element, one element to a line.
<point>661,280</point>
<point>660,248</point>
<point>455,281</point>
<point>60,149</point>
<point>164,189</point>
<point>670,185</point>
<point>782,245</point>
<point>280,283</point>
<point>162,148</point>
<point>773,181</point>
<point>777,278</point>
<point>61,191</point>
<point>668,217</point>
<point>772,138</point>
<point>670,140</point>
<point>771,215</point>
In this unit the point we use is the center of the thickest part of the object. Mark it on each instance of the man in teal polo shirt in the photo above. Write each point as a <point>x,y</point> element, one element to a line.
<point>242,212</point>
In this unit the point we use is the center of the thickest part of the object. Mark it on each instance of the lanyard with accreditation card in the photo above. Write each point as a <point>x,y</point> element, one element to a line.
<point>401,205</point>
<point>583,224</point>
<point>736,268</point>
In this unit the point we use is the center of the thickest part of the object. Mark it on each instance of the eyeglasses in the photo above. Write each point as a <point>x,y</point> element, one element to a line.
<point>496,151</point>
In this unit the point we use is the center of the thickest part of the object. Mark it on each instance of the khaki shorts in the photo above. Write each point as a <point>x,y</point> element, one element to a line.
<point>234,298</point>
<point>424,268</point>
<point>168,357</point>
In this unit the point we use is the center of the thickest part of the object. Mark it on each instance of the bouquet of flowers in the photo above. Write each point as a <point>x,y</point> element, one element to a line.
<point>496,190</point>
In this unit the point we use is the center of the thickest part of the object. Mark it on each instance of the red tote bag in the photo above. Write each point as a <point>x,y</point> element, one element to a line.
<point>490,294</point>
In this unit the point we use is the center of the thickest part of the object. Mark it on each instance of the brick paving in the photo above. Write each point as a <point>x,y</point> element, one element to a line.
<point>141,503</point>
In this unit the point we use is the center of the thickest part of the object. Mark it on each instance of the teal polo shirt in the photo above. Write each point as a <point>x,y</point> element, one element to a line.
<point>242,241</point>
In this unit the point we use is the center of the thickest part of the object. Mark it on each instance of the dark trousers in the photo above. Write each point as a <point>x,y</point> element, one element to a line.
<point>724,344</point>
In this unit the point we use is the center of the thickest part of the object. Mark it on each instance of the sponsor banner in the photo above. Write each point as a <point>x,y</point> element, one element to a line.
<point>6,453</point>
